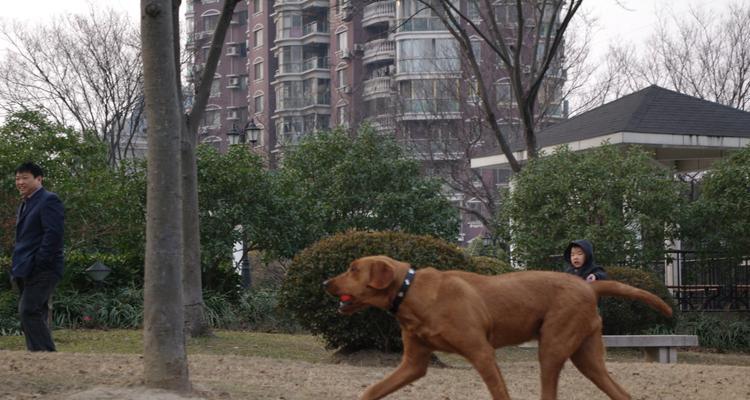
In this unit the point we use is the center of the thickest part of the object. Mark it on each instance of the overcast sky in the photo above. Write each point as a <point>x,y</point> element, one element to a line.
<point>617,20</point>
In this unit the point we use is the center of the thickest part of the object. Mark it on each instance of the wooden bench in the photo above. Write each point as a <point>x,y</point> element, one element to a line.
<point>660,348</point>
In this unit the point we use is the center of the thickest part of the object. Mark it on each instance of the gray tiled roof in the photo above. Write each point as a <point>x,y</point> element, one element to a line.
<point>651,110</point>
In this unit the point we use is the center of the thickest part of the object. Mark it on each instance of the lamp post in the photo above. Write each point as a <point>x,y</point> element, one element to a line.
<point>245,270</point>
<point>249,133</point>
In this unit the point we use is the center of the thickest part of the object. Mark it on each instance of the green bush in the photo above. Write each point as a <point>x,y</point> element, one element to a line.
<point>620,200</point>
<point>717,331</point>
<point>5,273</point>
<point>121,308</point>
<point>260,310</point>
<point>490,265</point>
<point>9,324</point>
<point>126,271</point>
<point>624,316</point>
<point>316,311</point>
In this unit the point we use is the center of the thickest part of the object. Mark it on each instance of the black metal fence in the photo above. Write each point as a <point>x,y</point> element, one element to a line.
<point>701,282</point>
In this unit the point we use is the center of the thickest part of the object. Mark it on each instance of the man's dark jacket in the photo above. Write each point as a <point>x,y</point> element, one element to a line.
<point>589,267</point>
<point>39,235</point>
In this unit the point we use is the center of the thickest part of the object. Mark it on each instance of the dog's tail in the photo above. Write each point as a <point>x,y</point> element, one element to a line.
<point>617,289</point>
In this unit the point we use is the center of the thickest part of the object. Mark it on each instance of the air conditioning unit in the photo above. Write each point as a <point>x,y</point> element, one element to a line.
<point>359,47</point>
<point>346,54</point>
<point>232,51</point>
<point>234,81</point>
<point>347,12</point>
<point>346,89</point>
<point>233,115</point>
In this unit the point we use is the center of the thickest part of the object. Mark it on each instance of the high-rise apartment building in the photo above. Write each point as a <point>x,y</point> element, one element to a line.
<point>297,66</point>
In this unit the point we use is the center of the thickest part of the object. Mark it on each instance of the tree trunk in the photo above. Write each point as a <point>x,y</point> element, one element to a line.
<point>164,355</point>
<point>195,321</point>
<point>192,283</point>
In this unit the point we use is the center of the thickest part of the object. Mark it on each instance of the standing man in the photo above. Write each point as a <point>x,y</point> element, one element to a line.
<point>37,254</point>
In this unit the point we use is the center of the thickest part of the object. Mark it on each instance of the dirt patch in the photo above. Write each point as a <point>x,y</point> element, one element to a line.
<point>74,376</point>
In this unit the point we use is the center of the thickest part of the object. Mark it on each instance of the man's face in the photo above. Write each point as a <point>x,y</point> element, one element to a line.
<point>577,257</point>
<point>26,183</point>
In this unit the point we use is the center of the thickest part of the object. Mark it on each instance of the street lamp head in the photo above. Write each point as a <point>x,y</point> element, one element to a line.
<point>235,136</point>
<point>252,131</point>
<point>98,271</point>
<point>487,239</point>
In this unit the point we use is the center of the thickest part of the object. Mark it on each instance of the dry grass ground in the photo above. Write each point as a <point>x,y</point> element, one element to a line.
<point>237,365</point>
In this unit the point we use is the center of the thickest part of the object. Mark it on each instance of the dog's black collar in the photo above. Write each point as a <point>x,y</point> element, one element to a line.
<point>402,292</point>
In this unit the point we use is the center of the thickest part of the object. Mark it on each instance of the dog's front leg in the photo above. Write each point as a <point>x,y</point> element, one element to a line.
<point>413,366</point>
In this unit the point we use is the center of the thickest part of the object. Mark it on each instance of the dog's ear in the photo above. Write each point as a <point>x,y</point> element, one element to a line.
<point>381,274</point>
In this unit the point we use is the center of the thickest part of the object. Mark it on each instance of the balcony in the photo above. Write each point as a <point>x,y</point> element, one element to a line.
<point>379,50</point>
<point>420,24</point>
<point>315,27</point>
<point>419,109</point>
<point>378,13</point>
<point>310,64</point>
<point>377,86</point>
<point>383,124</point>
<point>295,103</point>
<point>433,149</point>
<point>313,32</point>
<point>315,63</point>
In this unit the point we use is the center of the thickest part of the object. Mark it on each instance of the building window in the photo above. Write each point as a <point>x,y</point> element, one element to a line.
<point>240,18</point>
<point>342,41</point>
<point>210,22</point>
<point>472,10</point>
<point>430,95</point>
<point>215,88</point>
<point>212,118</point>
<point>257,6</point>
<point>341,75</point>
<point>473,96</point>
<point>476,48</point>
<point>258,104</point>
<point>289,26</point>
<point>503,91</point>
<point>428,55</point>
<point>258,71</point>
<point>213,141</point>
<point>258,38</point>
<point>343,117</point>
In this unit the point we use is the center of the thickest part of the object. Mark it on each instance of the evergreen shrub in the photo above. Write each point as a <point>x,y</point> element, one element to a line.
<point>490,265</point>
<point>625,316</point>
<point>315,310</point>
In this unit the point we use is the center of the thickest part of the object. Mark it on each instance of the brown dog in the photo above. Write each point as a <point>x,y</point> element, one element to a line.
<point>472,315</point>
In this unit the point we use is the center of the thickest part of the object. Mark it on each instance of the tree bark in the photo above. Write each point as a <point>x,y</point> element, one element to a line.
<point>195,321</point>
<point>164,356</point>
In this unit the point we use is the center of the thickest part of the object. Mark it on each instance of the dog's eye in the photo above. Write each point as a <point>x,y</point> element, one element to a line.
<point>353,269</point>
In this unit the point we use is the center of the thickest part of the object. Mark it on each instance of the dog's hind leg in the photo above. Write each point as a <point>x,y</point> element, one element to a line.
<point>589,359</point>
<point>482,357</point>
<point>559,337</point>
<point>551,363</point>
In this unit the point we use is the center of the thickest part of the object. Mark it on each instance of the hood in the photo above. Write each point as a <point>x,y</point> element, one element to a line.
<point>587,247</point>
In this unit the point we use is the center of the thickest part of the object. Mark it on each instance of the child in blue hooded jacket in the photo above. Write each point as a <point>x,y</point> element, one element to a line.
<point>579,256</point>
